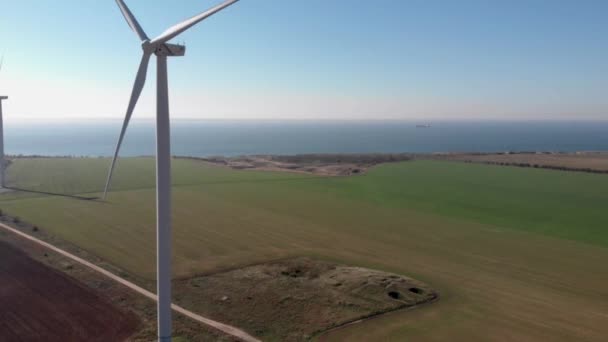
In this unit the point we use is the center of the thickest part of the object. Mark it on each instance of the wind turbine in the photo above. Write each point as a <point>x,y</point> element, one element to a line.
<point>160,47</point>
<point>2,161</point>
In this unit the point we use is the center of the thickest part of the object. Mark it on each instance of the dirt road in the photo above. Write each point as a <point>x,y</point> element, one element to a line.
<point>227,329</point>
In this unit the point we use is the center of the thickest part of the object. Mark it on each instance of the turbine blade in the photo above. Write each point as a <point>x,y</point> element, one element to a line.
<point>138,86</point>
<point>126,12</point>
<point>175,30</point>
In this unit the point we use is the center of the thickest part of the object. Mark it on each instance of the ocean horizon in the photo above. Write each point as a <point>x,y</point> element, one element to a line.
<point>203,138</point>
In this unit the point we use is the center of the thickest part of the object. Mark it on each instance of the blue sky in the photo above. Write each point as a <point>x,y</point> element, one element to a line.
<point>315,59</point>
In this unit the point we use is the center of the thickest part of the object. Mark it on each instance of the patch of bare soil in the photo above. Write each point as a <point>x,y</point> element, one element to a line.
<point>38,303</point>
<point>296,299</point>
<point>118,295</point>
<point>317,164</point>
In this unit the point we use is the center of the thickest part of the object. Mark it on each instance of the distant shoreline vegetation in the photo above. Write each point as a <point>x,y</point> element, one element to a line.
<point>332,156</point>
<point>582,161</point>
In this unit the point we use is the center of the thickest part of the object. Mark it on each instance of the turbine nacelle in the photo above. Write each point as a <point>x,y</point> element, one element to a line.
<point>164,49</point>
<point>170,50</point>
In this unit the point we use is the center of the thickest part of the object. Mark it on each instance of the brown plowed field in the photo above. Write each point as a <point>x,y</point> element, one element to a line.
<point>38,303</point>
<point>581,161</point>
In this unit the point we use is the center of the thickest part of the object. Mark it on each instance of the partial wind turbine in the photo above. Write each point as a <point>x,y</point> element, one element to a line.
<point>2,159</point>
<point>160,47</point>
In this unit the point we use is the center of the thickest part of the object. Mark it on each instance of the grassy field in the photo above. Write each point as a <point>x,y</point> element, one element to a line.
<point>517,254</point>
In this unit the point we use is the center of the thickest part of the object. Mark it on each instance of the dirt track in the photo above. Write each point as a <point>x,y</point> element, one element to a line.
<point>232,331</point>
<point>38,303</point>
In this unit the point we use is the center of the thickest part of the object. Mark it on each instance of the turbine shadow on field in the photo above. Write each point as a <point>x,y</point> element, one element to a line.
<point>83,198</point>
<point>220,182</point>
<point>253,181</point>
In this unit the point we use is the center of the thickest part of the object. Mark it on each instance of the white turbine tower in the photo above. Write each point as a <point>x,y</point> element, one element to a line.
<point>2,161</point>
<point>162,49</point>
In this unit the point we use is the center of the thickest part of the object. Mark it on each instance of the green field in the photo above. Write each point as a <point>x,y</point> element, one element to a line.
<point>517,254</point>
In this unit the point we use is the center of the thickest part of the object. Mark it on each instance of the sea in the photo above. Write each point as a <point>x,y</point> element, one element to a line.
<point>203,138</point>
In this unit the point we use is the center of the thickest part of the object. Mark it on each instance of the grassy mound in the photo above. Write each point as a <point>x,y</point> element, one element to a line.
<point>301,297</point>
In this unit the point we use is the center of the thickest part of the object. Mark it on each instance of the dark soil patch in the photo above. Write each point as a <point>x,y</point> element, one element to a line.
<point>296,299</point>
<point>394,294</point>
<point>416,290</point>
<point>38,303</point>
